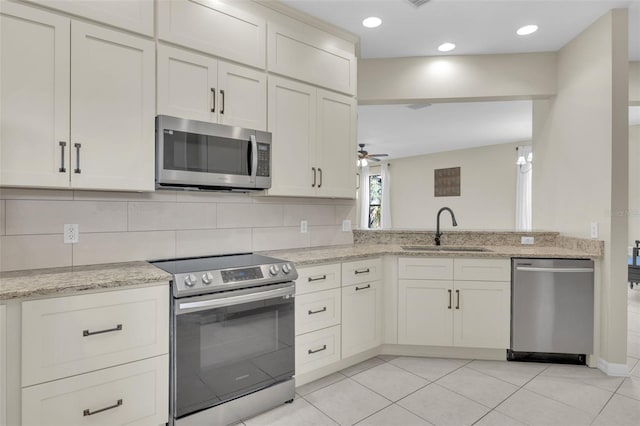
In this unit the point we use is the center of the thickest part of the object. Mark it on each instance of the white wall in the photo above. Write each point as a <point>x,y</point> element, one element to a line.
<point>580,143</point>
<point>122,227</point>
<point>487,190</point>
<point>634,184</point>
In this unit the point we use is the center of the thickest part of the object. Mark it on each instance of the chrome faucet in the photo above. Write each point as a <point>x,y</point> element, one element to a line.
<point>453,218</point>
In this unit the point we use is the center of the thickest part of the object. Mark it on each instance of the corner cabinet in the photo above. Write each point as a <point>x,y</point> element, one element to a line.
<point>314,140</point>
<point>91,92</point>
<point>454,302</point>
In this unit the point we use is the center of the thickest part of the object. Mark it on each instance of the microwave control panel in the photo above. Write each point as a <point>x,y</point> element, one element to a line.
<point>264,155</point>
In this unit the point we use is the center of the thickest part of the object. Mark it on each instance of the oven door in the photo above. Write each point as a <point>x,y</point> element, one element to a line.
<point>230,344</point>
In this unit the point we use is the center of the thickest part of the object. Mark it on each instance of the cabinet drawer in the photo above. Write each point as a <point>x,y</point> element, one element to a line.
<point>317,349</point>
<point>71,335</point>
<point>131,394</point>
<point>361,271</point>
<point>422,268</point>
<point>482,269</point>
<point>317,278</point>
<point>317,310</point>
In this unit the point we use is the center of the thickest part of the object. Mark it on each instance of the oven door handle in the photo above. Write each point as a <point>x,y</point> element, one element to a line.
<point>201,305</point>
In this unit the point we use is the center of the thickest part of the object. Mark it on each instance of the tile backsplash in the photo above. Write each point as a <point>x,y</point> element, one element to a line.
<point>122,226</point>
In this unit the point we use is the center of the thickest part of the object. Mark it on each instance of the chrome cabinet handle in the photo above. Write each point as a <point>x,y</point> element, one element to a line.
<point>324,309</point>
<point>77,169</point>
<point>363,288</point>
<point>62,169</point>
<point>86,333</point>
<point>213,99</point>
<point>222,101</point>
<point>324,277</point>
<point>313,185</point>
<point>320,171</point>
<point>88,412</point>
<point>457,299</point>
<point>310,351</point>
<point>449,307</point>
<point>362,271</point>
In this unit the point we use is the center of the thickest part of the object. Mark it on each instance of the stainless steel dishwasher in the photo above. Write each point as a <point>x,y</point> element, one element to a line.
<point>551,310</point>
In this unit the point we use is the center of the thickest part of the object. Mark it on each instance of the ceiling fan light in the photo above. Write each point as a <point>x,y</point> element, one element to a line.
<point>521,161</point>
<point>364,162</point>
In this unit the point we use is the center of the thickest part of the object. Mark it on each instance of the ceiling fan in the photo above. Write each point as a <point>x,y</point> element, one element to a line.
<point>364,155</point>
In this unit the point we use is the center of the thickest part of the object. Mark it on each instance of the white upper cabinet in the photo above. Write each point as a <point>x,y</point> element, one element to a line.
<point>112,109</point>
<point>306,53</point>
<point>34,93</point>
<point>132,15</point>
<point>214,27</point>
<point>199,87</point>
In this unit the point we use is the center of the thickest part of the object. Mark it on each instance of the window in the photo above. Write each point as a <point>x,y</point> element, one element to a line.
<point>375,201</point>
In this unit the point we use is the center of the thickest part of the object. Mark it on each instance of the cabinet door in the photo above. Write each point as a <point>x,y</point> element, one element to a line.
<point>482,314</point>
<point>112,109</point>
<point>361,317</point>
<point>34,97</point>
<point>242,96</point>
<point>292,121</point>
<point>336,145</point>
<point>187,84</point>
<point>425,312</point>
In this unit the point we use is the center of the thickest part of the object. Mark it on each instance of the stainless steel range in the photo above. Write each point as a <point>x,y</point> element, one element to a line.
<point>232,337</point>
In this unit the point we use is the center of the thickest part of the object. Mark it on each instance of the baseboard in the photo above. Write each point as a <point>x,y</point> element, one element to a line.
<point>611,369</point>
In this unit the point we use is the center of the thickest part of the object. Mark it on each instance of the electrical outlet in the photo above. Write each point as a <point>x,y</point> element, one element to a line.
<point>594,229</point>
<point>526,240</point>
<point>346,225</point>
<point>71,233</point>
<point>303,226</point>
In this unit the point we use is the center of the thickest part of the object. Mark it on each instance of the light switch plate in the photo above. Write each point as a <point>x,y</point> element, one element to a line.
<point>303,227</point>
<point>594,229</point>
<point>71,233</point>
<point>526,240</point>
<point>346,225</point>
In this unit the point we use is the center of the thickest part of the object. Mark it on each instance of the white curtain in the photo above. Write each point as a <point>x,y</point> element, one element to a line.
<point>385,219</point>
<point>523,189</point>
<point>364,197</point>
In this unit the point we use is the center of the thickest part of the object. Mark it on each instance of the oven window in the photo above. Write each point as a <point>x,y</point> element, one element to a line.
<point>206,154</point>
<point>227,352</point>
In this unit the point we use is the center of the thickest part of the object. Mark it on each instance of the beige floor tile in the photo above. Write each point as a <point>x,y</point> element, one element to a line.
<point>516,373</point>
<point>584,374</point>
<point>319,384</point>
<point>347,402</point>
<point>495,418</point>
<point>633,321</point>
<point>633,344</point>
<point>620,411</point>
<point>536,410</point>
<point>429,368</point>
<point>636,370</point>
<point>630,387</point>
<point>394,415</point>
<point>364,365</point>
<point>440,406</point>
<point>478,386</point>
<point>575,393</point>
<point>631,363</point>
<point>390,381</point>
<point>299,412</point>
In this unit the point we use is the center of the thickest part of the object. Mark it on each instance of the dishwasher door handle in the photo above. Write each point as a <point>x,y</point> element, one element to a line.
<point>558,270</point>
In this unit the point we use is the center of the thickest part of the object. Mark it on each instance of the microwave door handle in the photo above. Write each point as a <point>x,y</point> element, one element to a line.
<point>203,305</point>
<point>254,157</point>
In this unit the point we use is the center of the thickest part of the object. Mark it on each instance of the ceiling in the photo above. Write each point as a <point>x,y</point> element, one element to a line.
<point>477,27</point>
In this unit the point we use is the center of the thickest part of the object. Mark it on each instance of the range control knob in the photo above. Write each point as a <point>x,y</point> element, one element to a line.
<point>190,280</point>
<point>273,270</point>
<point>286,268</point>
<point>207,278</point>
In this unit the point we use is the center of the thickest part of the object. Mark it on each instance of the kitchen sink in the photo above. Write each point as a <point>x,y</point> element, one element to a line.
<point>445,248</point>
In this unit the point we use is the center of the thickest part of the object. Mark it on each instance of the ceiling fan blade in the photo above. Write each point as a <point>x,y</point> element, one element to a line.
<point>372,158</point>
<point>378,155</point>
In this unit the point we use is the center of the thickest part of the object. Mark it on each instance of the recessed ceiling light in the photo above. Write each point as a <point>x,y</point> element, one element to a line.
<point>446,47</point>
<point>527,29</point>
<point>372,22</point>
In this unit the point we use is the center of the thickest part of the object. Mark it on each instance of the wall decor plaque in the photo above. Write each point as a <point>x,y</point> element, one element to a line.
<point>446,182</point>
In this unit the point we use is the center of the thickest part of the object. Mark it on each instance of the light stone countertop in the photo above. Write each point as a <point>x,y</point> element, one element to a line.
<point>70,280</point>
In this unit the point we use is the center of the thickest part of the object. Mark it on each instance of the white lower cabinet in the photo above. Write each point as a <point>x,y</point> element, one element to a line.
<point>361,317</point>
<point>424,312</point>
<point>317,310</point>
<point>131,394</point>
<point>317,349</point>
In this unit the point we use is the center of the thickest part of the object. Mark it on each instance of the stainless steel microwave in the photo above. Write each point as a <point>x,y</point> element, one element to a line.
<point>199,155</point>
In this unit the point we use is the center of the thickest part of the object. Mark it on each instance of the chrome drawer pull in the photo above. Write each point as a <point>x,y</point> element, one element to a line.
<point>324,309</point>
<point>362,271</point>
<point>323,348</point>
<point>86,333</point>
<point>88,412</point>
<point>363,288</point>
<point>323,277</point>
